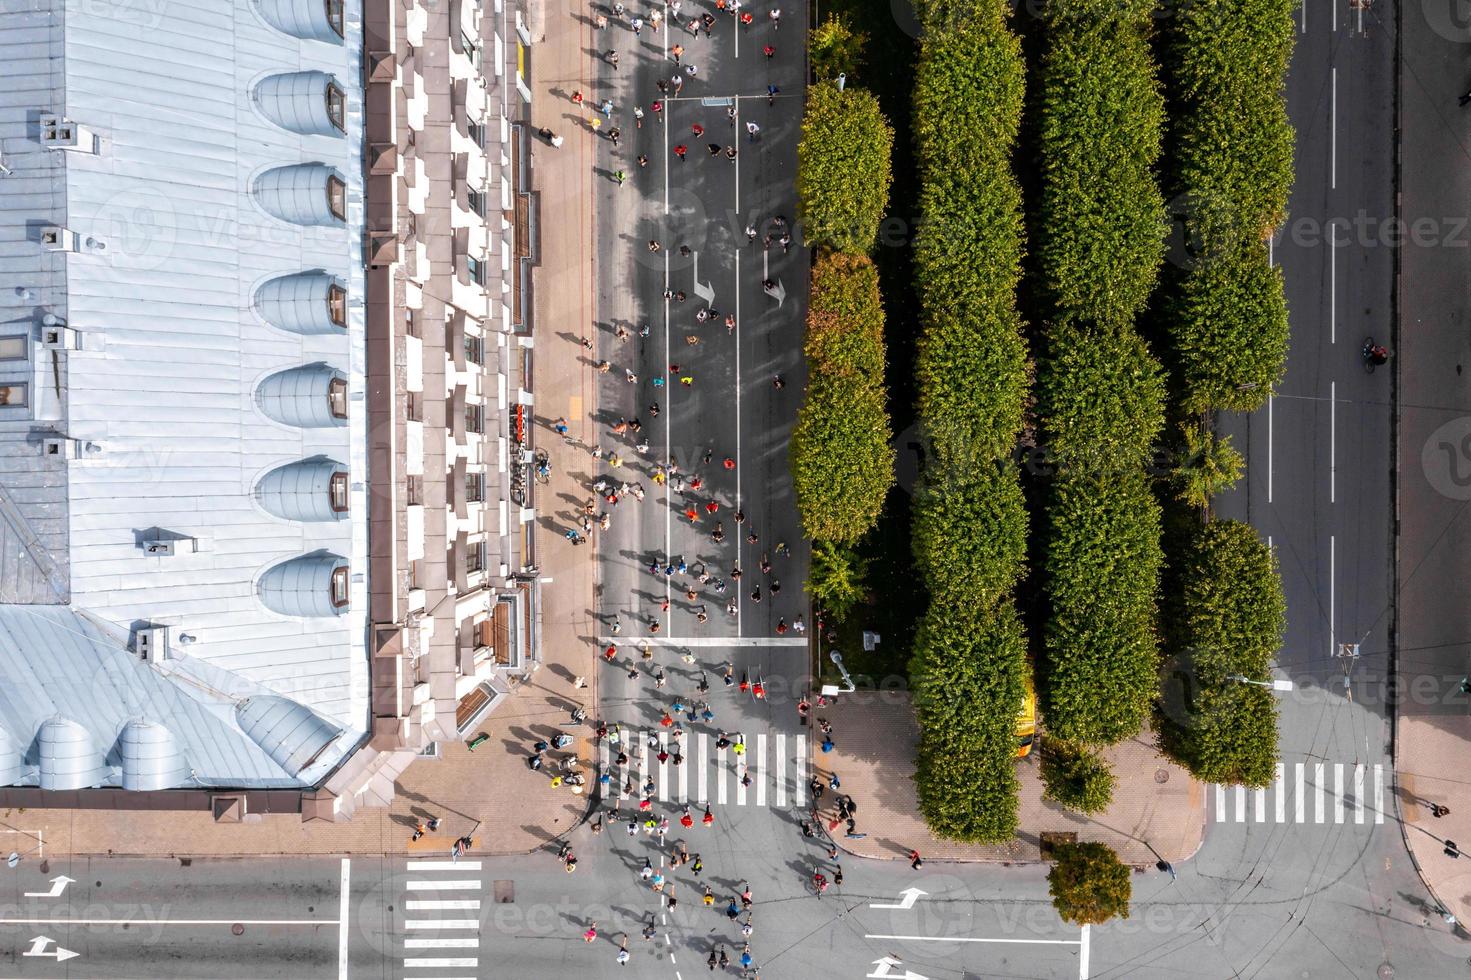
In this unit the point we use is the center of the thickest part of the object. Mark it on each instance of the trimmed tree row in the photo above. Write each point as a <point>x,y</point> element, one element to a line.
<point>842,455</point>
<point>1230,165</point>
<point>841,452</point>
<point>1227,615</point>
<point>970,521</point>
<point>1100,234</point>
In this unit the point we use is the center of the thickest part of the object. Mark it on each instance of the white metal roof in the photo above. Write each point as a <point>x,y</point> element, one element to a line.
<point>164,400</point>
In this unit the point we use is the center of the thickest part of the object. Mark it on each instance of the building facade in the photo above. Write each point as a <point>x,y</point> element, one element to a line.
<point>266,524</point>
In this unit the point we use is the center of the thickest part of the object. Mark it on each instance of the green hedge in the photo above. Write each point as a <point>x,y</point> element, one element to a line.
<point>1101,226</point>
<point>1230,167</point>
<point>845,317</point>
<point>970,522</point>
<point>1100,398</point>
<point>1103,563</point>
<point>970,533</point>
<point>843,168</point>
<point>1228,332</point>
<point>971,360</point>
<point>1232,142</point>
<point>967,678</point>
<point>842,458</point>
<point>1227,619</point>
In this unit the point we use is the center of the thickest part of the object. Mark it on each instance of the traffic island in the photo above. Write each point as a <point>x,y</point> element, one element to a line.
<point>1157,813</point>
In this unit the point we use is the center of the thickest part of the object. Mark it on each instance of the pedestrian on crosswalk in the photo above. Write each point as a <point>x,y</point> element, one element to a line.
<point>708,819</point>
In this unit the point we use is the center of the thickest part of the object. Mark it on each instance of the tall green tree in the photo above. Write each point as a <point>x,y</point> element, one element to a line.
<point>1089,884</point>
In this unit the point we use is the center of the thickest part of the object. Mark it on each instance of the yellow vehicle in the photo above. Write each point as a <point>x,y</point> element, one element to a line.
<point>1026,718</point>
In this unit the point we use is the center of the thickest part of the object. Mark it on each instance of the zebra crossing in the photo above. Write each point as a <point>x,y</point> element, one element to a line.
<point>442,920</point>
<point>1320,792</point>
<point>777,766</point>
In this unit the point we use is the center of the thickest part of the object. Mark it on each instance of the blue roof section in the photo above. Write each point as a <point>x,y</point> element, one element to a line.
<point>97,715</point>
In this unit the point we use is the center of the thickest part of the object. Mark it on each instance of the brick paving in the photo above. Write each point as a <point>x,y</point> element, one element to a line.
<point>488,793</point>
<point>875,740</point>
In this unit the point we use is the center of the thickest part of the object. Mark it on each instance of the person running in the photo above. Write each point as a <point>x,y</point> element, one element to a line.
<point>680,150</point>
<point>819,882</point>
<point>591,933</point>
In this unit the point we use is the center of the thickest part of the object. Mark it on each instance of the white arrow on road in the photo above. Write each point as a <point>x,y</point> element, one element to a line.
<point>58,885</point>
<point>884,971</point>
<point>703,290</point>
<point>907,898</point>
<point>38,948</point>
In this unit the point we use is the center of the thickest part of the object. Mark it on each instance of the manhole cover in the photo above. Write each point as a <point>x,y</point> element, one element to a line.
<point>1161,775</point>
<point>238,929</point>
<point>505,891</point>
<point>1386,971</point>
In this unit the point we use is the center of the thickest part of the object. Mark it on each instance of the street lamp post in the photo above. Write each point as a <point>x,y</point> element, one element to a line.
<point>1276,684</point>
<point>828,690</point>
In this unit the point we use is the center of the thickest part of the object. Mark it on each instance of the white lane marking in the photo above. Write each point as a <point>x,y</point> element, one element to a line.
<point>799,773</point>
<point>1319,778</point>
<point>1220,803</point>
<point>448,942</point>
<point>342,918</point>
<point>1304,9</point>
<point>978,939</point>
<point>740,463</point>
<point>780,759</point>
<point>663,766</point>
<point>760,769</point>
<point>1332,284</point>
<point>660,640</point>
<point>643,761</point>
<point>1332,594</point>
<point>1378,794</point>
<point>1279,787</point>
<point>741,768</point>
<point>720,776</point>
<point>1261,805</point>
<point>1333,442</point>
<point>1241,804</point>
<point>452,885</point>
<point>704,796</point>
<point>443,865</point>
<point>442,905</point>
<point>1333,132</point>
<point>1358,792</point>
<point>1271,399</point>
<point>428,962</point>
<point>1084,952</point>
<point>441,923</point>
<point>684,778</point>
<point>1300,799</point>
<point>168,922</point>
<point>1338,792</point>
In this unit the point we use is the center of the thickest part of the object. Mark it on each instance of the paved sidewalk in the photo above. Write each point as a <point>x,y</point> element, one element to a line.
<point>875,754</point>
<point>1432,620</point>
<point>489,793</point>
